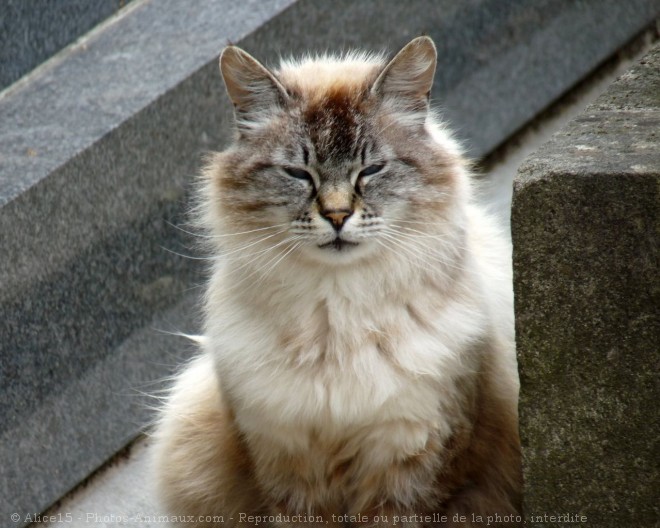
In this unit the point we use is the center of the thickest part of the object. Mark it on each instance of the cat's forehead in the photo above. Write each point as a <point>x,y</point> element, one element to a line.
<point>316,78</point>
<point>332,96</point>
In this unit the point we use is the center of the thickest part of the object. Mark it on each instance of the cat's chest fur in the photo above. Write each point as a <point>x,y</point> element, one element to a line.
<point>349,360</point>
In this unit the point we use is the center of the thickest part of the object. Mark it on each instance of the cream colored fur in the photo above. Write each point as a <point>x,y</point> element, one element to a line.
<point>319,383</point>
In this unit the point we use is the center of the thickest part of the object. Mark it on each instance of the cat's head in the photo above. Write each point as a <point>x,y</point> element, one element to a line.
<point>335,159</point>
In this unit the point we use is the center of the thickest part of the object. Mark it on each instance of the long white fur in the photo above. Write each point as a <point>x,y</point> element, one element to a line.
<point>359,388</point>
<point>283,397</point>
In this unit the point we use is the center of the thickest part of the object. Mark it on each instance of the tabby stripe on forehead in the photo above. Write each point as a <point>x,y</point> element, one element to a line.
<point>305,155</point>
<point>259,166</point>
<point>357,141</point>
<point>364,155</point>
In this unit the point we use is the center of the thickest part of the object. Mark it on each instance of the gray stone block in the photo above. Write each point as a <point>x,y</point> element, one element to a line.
<point>31,31</point>
<point>94,412</point>
<point>585,232</point>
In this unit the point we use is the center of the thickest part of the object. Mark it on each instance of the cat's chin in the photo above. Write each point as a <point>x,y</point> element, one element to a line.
<point>338,244</point>
<point>339,251</point>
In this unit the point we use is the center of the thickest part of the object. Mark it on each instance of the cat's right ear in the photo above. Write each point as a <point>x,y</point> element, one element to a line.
<point>254,91</point>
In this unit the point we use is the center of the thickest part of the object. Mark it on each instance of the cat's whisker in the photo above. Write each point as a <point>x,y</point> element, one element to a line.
<point>431,256</point>
<point>190,257</point>
<point>389,246</point>
<point>234,250</point>
<point>444,240</point>
<point>422,222</point>
<point>250,259</point>
<point>448,244</point>
<point>224,235</point>
<point>426,254</point>
<point>224,254</point>
<point>259,274</point>
<point>249,256</point>
<point>245,257</point>
<point>286,252</point>
<point>259,269</point>
<point>420,234</point>
<point>179,228</point>
<point>413,255</point>
<point>283,242</point>
<point>193,287</point>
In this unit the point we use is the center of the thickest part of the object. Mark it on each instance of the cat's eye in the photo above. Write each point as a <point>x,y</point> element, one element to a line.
<point>300,174</point>
<point>370,170</point>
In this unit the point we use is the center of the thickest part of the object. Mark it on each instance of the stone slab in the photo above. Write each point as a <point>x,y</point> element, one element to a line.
<point>585,236</point>
<point>123,387</point>
<point>31,31</point>
<point>122,495</point>
<point>96,128</point>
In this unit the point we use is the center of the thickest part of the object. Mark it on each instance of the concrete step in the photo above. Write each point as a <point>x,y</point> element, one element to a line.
<point>97,152</point>
<point>32,31</point>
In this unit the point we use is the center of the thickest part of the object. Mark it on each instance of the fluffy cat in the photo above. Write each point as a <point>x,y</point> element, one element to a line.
<point>358,363</point>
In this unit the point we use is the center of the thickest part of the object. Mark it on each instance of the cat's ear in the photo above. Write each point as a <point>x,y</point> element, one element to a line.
<point>254,91</point>
<point>409,75</point>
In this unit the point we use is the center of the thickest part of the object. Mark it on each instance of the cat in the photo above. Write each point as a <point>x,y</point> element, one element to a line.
<point>358,361</point>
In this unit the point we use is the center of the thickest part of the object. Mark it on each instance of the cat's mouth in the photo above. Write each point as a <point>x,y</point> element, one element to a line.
<point>338,244</point>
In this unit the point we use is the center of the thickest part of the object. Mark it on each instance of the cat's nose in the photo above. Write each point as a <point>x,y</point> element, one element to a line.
<point>336,217</point>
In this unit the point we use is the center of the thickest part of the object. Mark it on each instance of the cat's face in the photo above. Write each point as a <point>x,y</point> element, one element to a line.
<point>333,158</point>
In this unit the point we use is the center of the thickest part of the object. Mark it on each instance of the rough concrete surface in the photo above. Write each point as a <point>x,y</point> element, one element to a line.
<point>115,498</point>
<point>31,31</point>
<point>585,232</point>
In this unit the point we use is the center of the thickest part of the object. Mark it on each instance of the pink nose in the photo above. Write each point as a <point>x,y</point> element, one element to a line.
<point>337,217</point>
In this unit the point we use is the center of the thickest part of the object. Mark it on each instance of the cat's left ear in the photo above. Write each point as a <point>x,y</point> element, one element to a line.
<point>409,75</point>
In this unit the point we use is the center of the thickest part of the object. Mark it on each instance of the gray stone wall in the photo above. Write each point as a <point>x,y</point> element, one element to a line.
<point>585,235</point>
